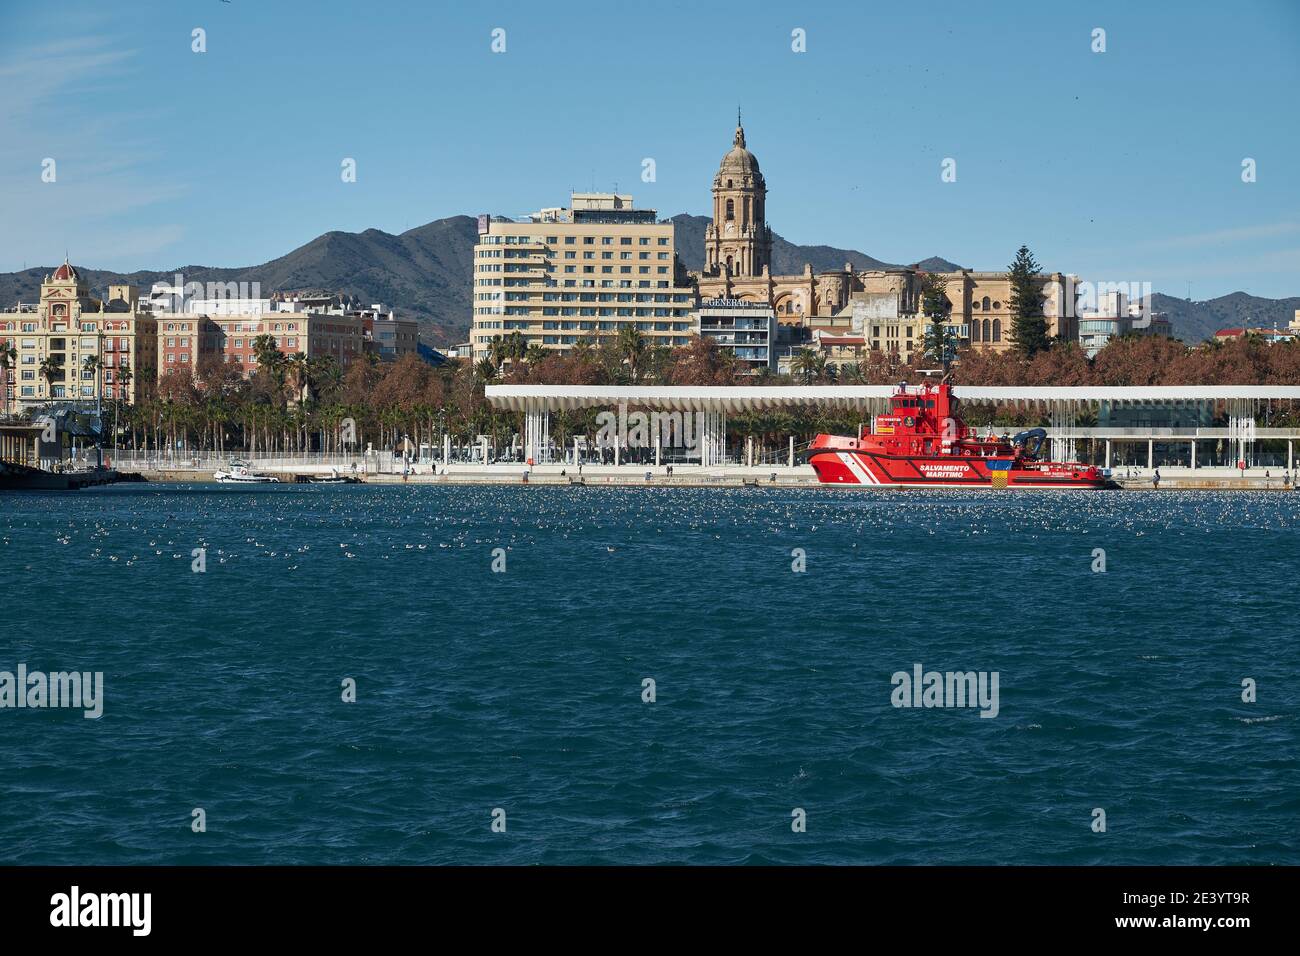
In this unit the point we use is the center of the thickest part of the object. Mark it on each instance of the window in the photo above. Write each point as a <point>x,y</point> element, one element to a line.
<point>731,212</point>
<point>997,330</point>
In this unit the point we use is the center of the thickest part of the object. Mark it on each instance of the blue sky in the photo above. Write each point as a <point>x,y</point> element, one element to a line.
<point>1118,166</point>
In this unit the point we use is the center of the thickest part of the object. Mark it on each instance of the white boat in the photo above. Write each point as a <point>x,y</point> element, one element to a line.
<point>334,478</point>
<point>239,472</point>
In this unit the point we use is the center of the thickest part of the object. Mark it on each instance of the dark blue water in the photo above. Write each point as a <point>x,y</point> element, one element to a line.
<point>523,690</point>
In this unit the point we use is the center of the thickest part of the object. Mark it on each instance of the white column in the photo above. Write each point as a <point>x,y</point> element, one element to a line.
<point>1151,453</point>
<point>791,451</point>
<point>1107,452</point>
<point>713,448</point>
<point>749,451</point>
<point>485,450</point>
<point>530,434</point>
<point>446,449</point>
<point>1193,454</point>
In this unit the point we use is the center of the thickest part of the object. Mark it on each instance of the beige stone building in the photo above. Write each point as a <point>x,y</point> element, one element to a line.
<point>582,272</point>
<point>54,338</point>
<point>738,248</point>
<point>881,306</point>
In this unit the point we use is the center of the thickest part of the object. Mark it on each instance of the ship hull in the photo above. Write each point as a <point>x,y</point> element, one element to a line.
<point>874,468</point>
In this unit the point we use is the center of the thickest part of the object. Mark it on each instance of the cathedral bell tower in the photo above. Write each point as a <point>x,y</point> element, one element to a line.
<point>738,242</point>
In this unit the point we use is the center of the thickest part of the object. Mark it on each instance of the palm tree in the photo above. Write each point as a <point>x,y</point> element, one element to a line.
<point>806,363</point>
<point>486,369</point>
<point>51,368</point>
<point>269,357</point>
<point>851,373</point>
<point>535,354</point>
<point>298,369</point>
<point>583,349</point>
<point>631,348</point>
<point>327,372</point>
<point>516,347</point>
<point>8,356</point>
<point>93,365</point>
<point>123,384</point>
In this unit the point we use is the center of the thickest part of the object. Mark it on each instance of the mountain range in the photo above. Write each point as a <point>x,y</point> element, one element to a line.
<point>426,273</point>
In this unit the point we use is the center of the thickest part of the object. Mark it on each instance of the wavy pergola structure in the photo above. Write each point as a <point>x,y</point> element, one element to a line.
<point>1062,403</point>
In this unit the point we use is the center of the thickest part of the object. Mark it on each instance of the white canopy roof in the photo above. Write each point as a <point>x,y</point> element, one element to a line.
<point>757,398</point>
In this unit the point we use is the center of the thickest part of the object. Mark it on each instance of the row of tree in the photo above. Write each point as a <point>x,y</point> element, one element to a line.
<point>294,403</point>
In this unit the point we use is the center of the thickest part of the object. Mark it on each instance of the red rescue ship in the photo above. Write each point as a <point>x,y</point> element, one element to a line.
<point>922,442</point>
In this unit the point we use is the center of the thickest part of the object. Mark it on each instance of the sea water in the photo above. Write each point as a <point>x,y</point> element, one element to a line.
<point>581,675</point>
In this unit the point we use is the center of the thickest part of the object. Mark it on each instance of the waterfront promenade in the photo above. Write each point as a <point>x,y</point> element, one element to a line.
<point>383,469</point>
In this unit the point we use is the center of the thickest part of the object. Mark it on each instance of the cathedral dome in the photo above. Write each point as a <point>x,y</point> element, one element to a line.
<point>739,161</point>
<point>65,272</point>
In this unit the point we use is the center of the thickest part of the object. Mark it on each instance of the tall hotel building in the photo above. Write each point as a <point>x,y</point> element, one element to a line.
<point>583,272</point>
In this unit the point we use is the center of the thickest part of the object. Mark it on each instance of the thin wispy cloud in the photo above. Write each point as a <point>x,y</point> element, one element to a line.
<point>1222,237</point>
<point>37,77</point>
<point>101,181</point>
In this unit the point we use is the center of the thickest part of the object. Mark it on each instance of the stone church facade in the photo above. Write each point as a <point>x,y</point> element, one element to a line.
<point>847,302</point>
<point>738,249</point>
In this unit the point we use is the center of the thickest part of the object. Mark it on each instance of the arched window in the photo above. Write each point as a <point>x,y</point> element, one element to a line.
<point>997,330</point>
<point>731,209</point>
<point>985,303</point>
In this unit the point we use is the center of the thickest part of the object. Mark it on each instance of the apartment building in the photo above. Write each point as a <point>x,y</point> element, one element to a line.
<point>581,272</point>
<point>185,339</point>
<point>745,329</point>
<point>73,346</point>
